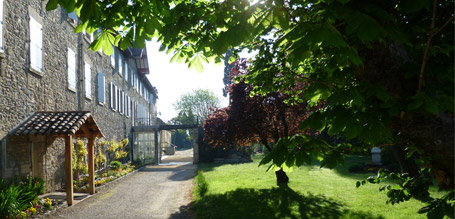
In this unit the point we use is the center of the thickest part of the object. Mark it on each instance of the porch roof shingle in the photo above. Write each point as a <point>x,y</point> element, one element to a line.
<point>79,123</point>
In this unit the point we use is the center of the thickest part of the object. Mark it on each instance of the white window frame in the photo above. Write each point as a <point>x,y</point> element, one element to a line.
<point>36,45</point>
<point>72,81</point>
<point>88,80</point>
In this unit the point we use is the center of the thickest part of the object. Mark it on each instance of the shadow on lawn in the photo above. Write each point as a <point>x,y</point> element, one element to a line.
<point>282,202</point>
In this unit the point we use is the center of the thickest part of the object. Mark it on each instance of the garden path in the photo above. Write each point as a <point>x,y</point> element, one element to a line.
<point>162,191</point>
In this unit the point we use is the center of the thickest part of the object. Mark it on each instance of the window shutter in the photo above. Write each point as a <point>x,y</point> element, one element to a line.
<point>115,97</point>
<point>124,103</point>
<point>113,57</point>
<point>126,70</point>
<point>101,90</point>
<point>87,81</point>
<point>36,43</point>
<point>71,69</point>
<point>111,98</point>
<point>120,64</point>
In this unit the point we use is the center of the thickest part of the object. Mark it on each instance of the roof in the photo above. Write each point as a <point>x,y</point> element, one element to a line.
<point>78,123</point>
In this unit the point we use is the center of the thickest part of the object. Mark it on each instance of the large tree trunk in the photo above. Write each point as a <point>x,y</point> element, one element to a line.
<point>281,177</point>
<point>407,165</point>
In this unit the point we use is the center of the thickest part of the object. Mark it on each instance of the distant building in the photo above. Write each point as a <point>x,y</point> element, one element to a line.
<point>45,66</point>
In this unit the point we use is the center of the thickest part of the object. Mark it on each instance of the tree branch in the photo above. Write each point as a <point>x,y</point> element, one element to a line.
<point>444,25</point>
<point>430,37</point>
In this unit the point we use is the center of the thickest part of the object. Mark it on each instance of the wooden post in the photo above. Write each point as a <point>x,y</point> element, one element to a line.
<point>69,169</point>
<point>91,166</point>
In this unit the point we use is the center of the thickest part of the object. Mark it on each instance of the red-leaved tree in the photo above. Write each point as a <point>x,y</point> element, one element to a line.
<point>252,118</point>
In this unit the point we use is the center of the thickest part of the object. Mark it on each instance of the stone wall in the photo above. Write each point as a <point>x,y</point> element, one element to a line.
<point>23,92</point>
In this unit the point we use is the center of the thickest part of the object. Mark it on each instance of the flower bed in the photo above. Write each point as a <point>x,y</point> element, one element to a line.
<point>103,177</point>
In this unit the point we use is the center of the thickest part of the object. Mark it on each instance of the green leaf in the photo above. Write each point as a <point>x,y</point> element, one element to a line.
<point>315,121</point>
<point>175,56</point>
<point>430,106</point>
<point>302,157</point>
<point>325,33</point>
<point>51,5</point>
<point>266,159</point>
<point>352,129</point>
<point>415,104</point>
<point>343,2</point>
<point>81,27</point>
<point>290,161</point>
<point>198,64</point>
<point>363,26</point>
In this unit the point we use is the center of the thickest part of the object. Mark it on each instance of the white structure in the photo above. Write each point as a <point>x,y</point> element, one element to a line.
<point>376,155</point>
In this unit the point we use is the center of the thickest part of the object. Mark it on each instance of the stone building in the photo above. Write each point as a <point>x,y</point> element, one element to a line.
<point>45,66</point>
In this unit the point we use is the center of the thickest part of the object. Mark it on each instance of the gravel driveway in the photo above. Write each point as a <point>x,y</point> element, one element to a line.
<point>162,191</point>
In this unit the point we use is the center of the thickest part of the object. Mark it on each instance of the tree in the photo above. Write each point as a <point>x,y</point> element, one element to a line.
<point>383,68</point>
<point>198,103</point>
<point>256,118</point>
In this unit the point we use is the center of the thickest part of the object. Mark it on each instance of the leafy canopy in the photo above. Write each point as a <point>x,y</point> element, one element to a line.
<point>198,103</point>
<point>383,68</point>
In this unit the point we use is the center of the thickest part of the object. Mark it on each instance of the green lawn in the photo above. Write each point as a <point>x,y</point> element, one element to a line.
<point>248,191</point>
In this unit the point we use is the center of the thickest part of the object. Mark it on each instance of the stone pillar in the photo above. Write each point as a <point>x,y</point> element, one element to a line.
<point>157,151</point>
<point>195,146</point>
<point>69,169</point>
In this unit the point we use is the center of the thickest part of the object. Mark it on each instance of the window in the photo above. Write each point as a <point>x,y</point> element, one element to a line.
<point>71,69</point>
<point>113,58</point>
<point>87,81</point>
<point>101,90</point>
<point>36,45</point>
<point>1,25</point>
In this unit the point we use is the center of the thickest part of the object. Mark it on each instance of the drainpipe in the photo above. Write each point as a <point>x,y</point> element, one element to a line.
<point>80,72</point>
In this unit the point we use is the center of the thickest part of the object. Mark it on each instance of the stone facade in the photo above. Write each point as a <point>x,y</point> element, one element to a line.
<point>24,91</point>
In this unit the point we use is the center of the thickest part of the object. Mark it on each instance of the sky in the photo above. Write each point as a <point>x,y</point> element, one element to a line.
<point>172,80</point>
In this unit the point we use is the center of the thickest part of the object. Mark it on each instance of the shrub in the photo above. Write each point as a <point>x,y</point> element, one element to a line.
<point>18,195</point>
<point>356,168</point>
<point>201,185</point>
<point>137,163</point>
<point>115,165</point>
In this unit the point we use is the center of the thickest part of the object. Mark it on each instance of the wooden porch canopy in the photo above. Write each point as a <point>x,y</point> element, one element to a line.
<point>67,125</point>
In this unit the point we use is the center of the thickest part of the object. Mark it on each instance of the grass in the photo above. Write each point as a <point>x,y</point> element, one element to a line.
<point>248,191</point>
